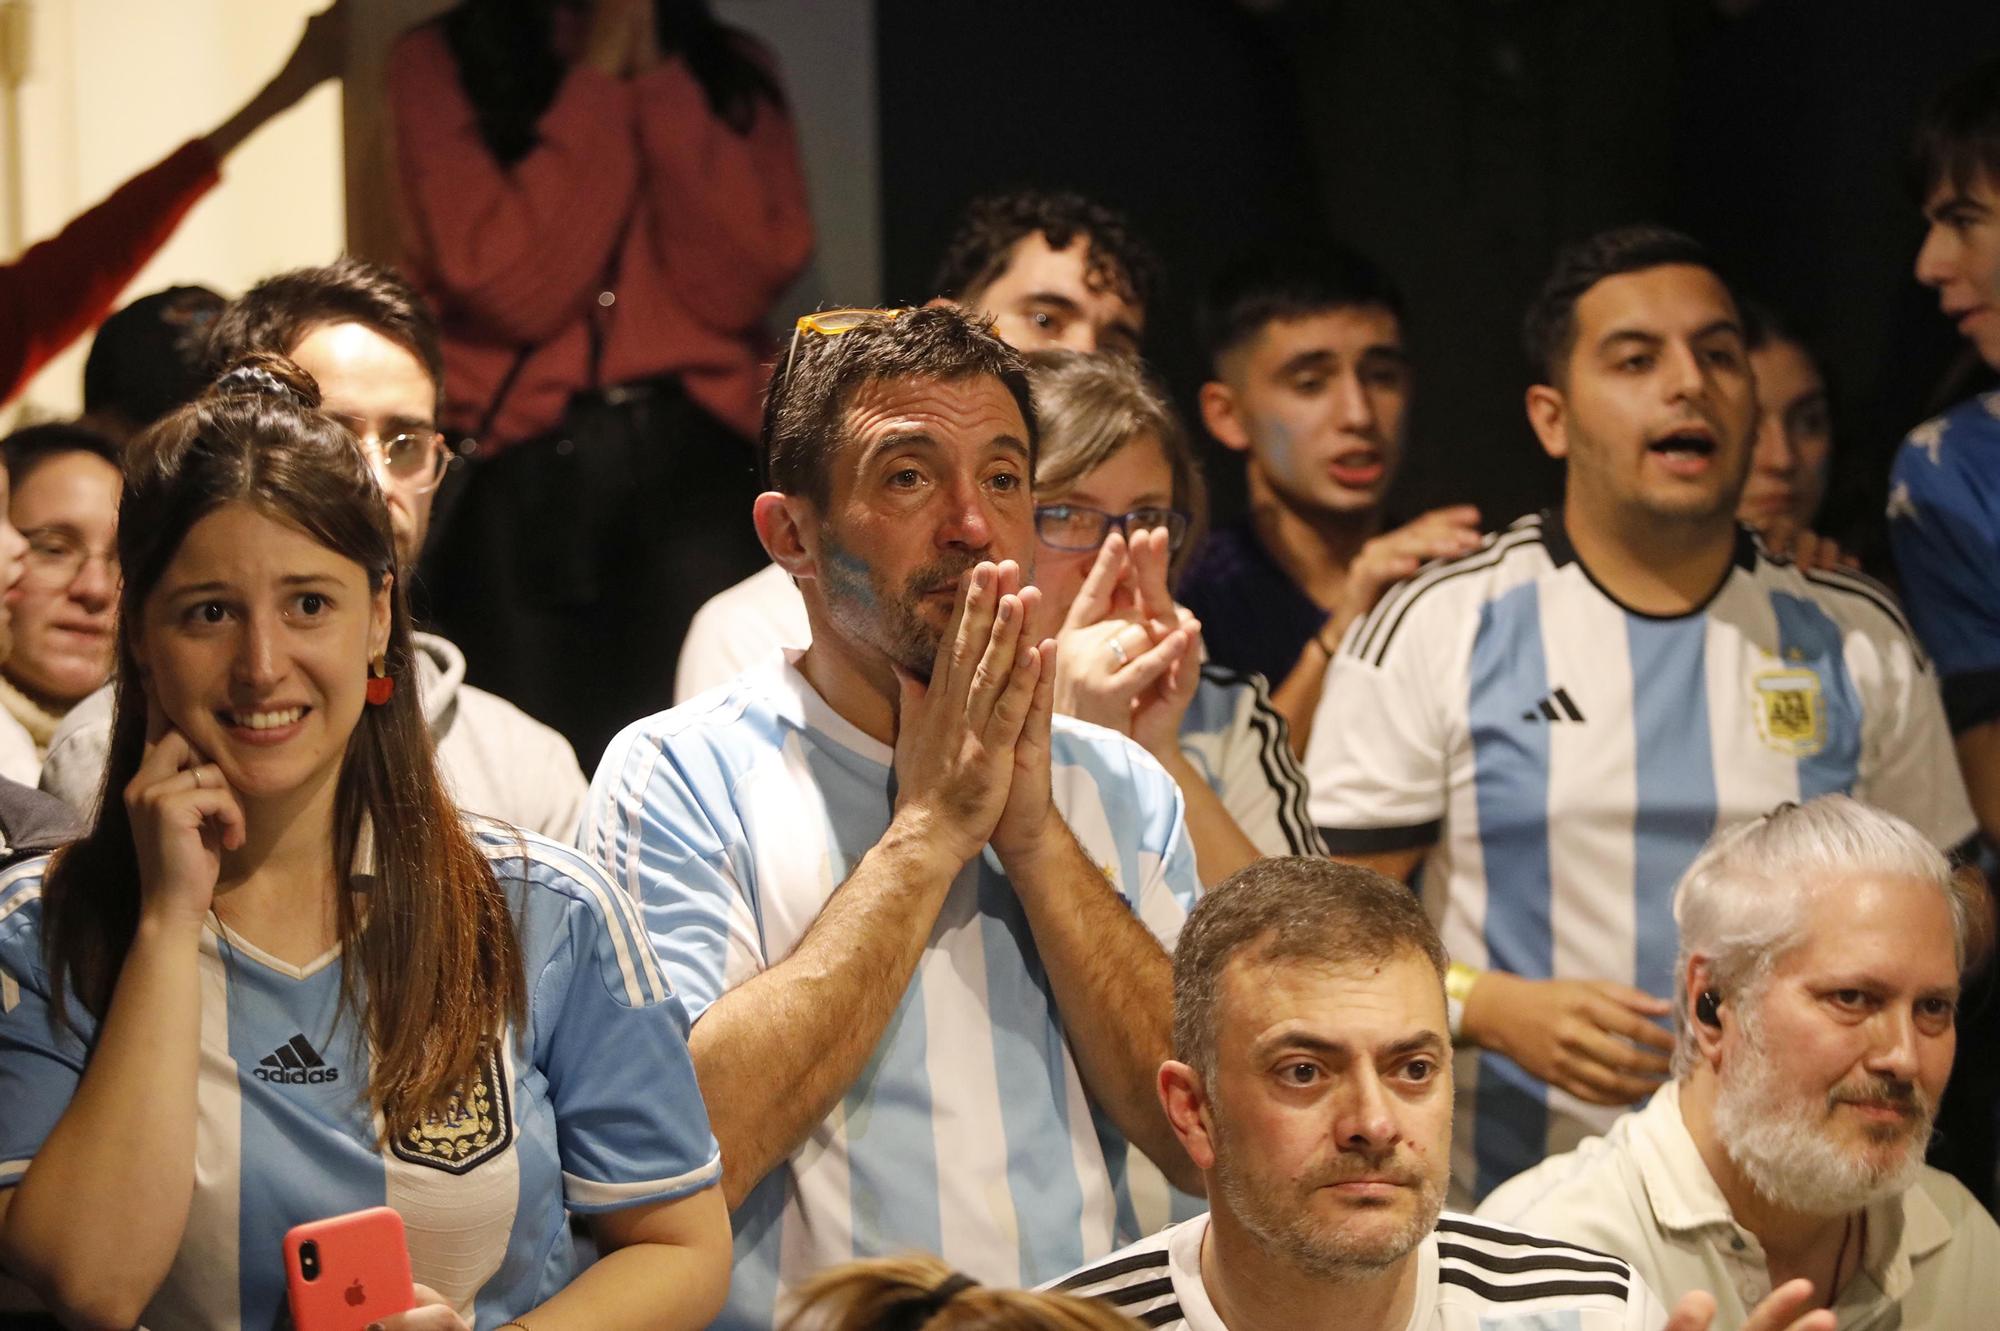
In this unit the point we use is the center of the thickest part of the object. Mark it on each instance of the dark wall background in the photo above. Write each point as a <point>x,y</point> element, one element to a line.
<point>1458,142</point>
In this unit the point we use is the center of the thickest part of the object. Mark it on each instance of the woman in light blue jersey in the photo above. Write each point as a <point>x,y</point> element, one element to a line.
<point>1119,506</point>
<point>284,977</point>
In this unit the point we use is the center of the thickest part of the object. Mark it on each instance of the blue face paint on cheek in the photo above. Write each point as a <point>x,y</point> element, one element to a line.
<point>848,577</point>
<point>1278,448</point>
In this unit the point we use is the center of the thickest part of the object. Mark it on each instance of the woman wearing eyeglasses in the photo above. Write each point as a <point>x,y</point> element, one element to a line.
<point>1118,506</point>
<point>282,978</point>
<point>64,480</point>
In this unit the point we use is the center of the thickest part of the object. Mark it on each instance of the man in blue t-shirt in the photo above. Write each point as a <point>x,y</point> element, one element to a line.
<point>1309,381</point>
<point>1944,527</point>
<point>917,920</point>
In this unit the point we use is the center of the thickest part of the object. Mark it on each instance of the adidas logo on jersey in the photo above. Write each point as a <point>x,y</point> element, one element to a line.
<point>295,1063</point>
<point>1554,707</point>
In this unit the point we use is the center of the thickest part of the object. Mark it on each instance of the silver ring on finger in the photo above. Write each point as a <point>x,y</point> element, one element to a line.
<point>1118,653</point>
<point>201,777</point>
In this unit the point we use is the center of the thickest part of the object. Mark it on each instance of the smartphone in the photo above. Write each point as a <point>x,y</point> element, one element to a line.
<point>347,1271</point>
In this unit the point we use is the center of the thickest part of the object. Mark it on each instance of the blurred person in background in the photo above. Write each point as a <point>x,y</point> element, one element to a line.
<point>65,481</point>
<point>57,289</point>
<point>920,1293</point>
<point>603,199</point>
<point>148,359</point>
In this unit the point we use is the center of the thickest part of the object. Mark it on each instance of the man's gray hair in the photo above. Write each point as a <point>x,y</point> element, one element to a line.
<point>1742,903</point>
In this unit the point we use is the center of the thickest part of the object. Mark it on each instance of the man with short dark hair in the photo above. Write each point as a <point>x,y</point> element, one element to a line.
<point>915,918</point>
<point>65,480</point>
<point>1050,271</point>
<point>1311,1082</point>
<point>1553,725</point>
<point>1814,1002</point>
<point>372,344</point>
<point>1308,380</point>
<point>148,359</point>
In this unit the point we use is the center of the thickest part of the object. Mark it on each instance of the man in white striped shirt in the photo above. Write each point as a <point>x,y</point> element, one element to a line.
<point>1311,1083</point>
<point>916,920</point>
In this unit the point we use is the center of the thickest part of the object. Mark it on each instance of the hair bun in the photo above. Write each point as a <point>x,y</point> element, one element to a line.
<point>261,374</point>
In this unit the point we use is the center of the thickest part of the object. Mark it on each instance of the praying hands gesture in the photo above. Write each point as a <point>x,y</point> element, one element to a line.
<point>1131,658</point>
<point>972,744</point>
<point>1131,661</point>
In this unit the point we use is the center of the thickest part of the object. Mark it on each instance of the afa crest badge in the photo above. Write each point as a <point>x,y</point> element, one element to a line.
<point>1791,714</point>
<point>474,1125</point>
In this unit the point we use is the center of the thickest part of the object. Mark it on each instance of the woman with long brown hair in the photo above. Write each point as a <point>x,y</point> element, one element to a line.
<point>283,978</point>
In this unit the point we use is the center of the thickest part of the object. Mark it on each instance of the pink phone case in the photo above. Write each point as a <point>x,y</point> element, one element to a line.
<point>347,1271</point>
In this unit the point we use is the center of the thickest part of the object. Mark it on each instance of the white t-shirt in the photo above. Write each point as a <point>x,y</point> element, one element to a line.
<point>1471,1276</point>
<point>740,627</point>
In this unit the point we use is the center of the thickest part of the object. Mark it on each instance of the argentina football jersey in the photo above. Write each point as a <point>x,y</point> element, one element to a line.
<point>594,1108</point>
<point>1563,759</point>
<point>1243,750</point>
<point>734,818</point>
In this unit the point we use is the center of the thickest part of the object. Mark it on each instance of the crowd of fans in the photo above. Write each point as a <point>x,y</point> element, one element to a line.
<point>1039,907</point>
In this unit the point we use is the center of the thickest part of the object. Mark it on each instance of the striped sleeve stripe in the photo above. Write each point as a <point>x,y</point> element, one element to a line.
<point>1140,1293</point>
<point>1274,753</point>
<point>1869,590</point>
<point>1111,1270</point>
<point>1384,607</point>
<point>1620,1290</point>
<point>1538,1260</point>
<point>1461,1227</point>
<point>18,899</point>
<point>638,967</point>
<point>1373,645</point>
<point>1160,1316</point>
<point>582,1192</point>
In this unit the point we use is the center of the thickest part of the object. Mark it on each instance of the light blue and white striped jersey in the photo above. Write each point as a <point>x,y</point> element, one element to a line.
<point>1243,750</point>
<point>597,1109</point>
<point>1565,758</point>
<point>733,818</point>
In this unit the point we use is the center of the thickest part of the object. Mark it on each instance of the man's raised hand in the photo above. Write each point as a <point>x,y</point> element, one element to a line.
<point>956,736</point>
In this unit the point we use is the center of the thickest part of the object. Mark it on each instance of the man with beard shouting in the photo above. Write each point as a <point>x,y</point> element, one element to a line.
<point>1311,1083</point>
<point>916,920</point>
<point>1821,949</point>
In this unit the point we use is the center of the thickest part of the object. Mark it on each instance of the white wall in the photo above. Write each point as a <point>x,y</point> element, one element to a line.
<point>115,85</point>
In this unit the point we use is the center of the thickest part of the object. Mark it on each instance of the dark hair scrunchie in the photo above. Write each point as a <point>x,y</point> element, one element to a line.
<point>252,380</point>
<point>909,1314</point>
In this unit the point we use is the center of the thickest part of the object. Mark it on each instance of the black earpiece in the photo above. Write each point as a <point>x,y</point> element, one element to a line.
<point>1705,1005</point>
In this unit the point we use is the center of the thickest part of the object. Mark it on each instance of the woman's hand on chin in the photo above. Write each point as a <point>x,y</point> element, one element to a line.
<point>184,816</point>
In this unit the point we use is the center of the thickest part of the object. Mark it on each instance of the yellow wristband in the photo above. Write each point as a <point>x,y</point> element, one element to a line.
<point>1458,981</point>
